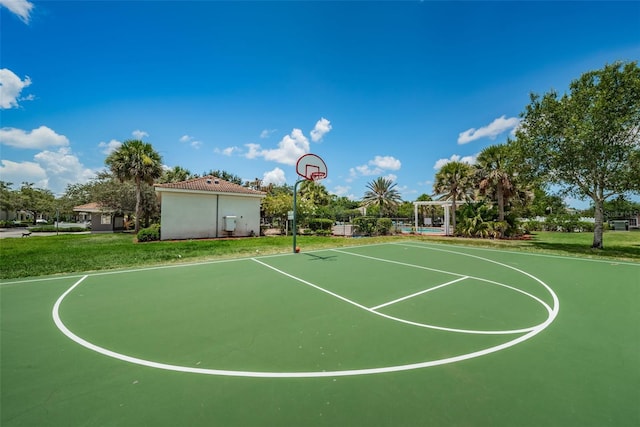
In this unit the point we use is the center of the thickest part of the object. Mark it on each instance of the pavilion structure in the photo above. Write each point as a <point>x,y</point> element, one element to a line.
<point>446,204</point>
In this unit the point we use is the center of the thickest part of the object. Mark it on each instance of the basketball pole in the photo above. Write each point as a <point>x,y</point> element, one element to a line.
<point>295,212</point>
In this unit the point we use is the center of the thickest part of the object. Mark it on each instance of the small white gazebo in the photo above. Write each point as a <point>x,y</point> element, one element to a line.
<point>446,204</point>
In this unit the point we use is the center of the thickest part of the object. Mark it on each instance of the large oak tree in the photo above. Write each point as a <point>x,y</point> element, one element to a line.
<point>587,140</point>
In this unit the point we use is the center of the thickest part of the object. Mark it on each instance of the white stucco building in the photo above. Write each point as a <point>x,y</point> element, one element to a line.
<point>208,207</point>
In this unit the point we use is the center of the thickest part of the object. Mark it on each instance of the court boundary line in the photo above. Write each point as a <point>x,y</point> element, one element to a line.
<point>310,374</point>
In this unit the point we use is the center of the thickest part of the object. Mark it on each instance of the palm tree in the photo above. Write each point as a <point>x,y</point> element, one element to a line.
<point>177,174</point>
<point>135,161</point>
<point>454,183</point>
<point>315,192</point>
<point>382,193</point>
<point>494,177</point>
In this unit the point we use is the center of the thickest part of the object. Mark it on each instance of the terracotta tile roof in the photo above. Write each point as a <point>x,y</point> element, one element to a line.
<point>209,183</point>
<point>91,207</point>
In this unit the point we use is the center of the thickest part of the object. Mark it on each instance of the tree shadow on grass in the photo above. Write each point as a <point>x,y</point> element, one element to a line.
<point>614,251</point>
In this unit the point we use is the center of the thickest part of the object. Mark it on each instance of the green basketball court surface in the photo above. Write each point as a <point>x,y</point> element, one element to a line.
<point>397,334</point>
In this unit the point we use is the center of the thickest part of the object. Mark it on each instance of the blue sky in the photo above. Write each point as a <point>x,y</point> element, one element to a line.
<point>393,89</point>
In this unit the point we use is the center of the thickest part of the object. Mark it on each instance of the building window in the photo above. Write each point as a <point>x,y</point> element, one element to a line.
<point>105,219</point>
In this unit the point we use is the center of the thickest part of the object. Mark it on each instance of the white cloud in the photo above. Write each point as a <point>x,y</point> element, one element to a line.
<point>226,151</point>
<point>275,177</point>
<point>22,8</point>
<point>407,193</point>
<point>291,147</point>
<point>341,190</point>
<point>10,87</point>
<point>62,168</point>
<point>191,140</point>
<point>391,177</point>
<point>289,150</point>
<point>364,170</point>
<point>494,129</point>
<point>377,166</point>
<point>139,134</point>
<point>455,158</point>
<point>52,170</point>
<point>17,173</point>
<point>39,138</point>
<point>254,151</point>
<point>267,133</point>
<point>322,127</point>
<point>109,147</point>
<point>386,162</point>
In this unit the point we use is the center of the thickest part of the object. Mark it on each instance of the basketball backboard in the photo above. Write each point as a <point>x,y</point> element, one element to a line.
<point>311,167</point>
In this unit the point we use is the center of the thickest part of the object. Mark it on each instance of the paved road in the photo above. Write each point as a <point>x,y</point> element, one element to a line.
<point>17,232</point>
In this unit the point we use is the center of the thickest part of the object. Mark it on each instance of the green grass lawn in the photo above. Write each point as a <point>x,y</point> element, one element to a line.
<point>68,253</point>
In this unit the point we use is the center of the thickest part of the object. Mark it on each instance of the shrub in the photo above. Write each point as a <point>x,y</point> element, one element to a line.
<point>532,225</point>
<point>149,234</point>
<point>317,224</point>
<point>498,229</point>
<point>383,225</point>
<point>563,222</point>
<point>365,225</point>
<point>586,226</point>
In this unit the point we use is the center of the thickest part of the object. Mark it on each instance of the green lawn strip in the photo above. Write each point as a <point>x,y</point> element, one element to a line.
<point>38,256</point>
<point>623,244</point>
<point>93,252</point>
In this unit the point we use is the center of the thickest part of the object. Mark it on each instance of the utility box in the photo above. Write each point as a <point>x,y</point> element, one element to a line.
<point>230,223</point>
<point>619,225</point>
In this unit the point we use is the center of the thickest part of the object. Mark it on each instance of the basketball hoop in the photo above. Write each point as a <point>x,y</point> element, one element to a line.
<point>311,167</point>
<point>315,176</point>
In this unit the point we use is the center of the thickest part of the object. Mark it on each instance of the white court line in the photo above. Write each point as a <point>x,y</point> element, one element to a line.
<point>419,293</point>
<point>409,322</point>
<point>399,263</point>
<point>284,273</point>
<point>549,309</point>
<point>310,374</point>
<point>556,302</point>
